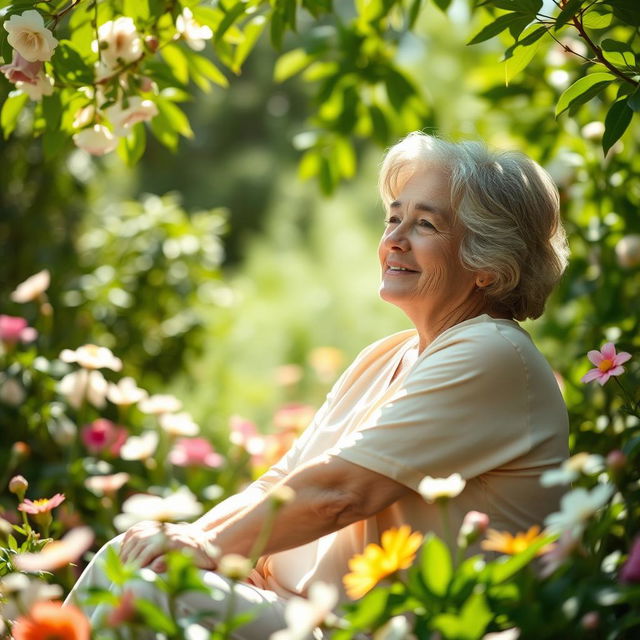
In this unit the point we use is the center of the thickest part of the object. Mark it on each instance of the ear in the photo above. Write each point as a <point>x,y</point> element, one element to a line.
<point>484,279</point>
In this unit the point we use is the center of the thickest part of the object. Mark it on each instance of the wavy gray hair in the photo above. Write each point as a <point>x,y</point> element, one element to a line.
<point>509,209</point>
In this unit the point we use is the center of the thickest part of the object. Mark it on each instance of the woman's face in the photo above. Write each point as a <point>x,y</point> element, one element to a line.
<point>421,271</point>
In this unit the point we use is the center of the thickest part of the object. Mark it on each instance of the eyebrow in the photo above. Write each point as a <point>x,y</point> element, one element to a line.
<point>421,206</point>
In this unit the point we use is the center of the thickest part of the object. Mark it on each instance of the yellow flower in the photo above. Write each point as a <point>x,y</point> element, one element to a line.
<point>398,550</point>
<point>504,542</point>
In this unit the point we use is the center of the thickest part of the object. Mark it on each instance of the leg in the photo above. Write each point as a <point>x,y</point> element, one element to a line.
<point>243,597</point>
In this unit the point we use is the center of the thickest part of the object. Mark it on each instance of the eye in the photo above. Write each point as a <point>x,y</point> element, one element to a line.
<point>392,220</point>
<point>425,224</point>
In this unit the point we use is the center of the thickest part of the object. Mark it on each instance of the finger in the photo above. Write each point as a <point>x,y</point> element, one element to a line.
<point>159,565</point>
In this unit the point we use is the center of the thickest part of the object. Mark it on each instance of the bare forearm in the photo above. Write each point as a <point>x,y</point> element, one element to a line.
<point>230,507</point>
<point>307,517</point>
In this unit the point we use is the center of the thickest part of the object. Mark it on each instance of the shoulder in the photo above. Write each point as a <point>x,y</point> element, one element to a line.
<point>480,347</point>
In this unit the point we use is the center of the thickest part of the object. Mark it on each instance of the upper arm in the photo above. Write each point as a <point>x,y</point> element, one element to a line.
<point>464,409</point>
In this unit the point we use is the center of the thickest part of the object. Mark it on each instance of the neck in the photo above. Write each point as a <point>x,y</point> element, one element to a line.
<point>430,326</point>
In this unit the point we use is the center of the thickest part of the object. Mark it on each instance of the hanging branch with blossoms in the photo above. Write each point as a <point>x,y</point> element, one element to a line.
<point>98,71</point>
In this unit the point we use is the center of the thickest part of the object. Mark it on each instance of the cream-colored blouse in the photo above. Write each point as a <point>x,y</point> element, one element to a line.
<point>480,400</point>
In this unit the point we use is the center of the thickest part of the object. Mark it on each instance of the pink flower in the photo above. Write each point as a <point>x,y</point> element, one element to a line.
<point>608,363</point>
<point>57,554</point>
<point>631,570</point>
<point>14,329</point>
<point>21,70</point>
<point>198,452</point>
<point>103,434</point>
<point>293,417</point>
<point>43,505</point>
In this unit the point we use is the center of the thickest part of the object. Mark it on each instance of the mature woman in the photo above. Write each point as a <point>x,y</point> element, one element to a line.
<point>472,243</point>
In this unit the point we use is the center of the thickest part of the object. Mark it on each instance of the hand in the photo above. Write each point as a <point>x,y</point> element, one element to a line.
<point>146,543</point>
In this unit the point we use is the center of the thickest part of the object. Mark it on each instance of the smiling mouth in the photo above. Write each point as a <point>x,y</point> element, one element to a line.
<point>391,269</point>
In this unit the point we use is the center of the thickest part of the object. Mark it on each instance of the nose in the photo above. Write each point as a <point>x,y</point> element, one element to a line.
<point>396,239</point>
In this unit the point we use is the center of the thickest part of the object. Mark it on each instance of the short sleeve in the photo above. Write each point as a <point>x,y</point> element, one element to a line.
<point>464,408</point>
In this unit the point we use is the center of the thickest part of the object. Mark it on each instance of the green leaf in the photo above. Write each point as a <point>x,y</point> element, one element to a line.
<point>519,55</point>
<point>11,109</point>
<point>592,82</point>
<point>443,5</point>
<point>497,26</point>
<point>470,623</point>
<point>290,63</point>
<point>155,617</point>
<point>634,101</point>
<point>176,59</point>
<point>131,148</point>
<point>252,31</point>
<point>597,19</point>
<point>229,19</point>
<point>618,53</point>
<point>568,12</point>
<point>345,157</point>
<point>615,124</point>
<point>52,111</point>
<point>114,570</point>
<point>435,565</point>
<point>202,70</point>
<point>69,66</point>
<point>414,12</point>
<point>379,125</point>
<point>174,116</point>
<point>370,610</point>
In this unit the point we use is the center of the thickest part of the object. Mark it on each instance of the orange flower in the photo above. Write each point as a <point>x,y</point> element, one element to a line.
<point>43,505</point>
<point>504,542</point>
<point>398,550</point>
<point>52,620</point>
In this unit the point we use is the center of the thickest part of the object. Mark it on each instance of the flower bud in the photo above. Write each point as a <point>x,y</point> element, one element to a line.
<point>152,43</point>
<point>234,566</point>
<point>473,526</point>
<point>19,452</point>
<point>18,485</point>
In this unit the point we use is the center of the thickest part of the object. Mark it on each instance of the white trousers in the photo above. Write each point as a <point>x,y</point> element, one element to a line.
<point>268,606</point>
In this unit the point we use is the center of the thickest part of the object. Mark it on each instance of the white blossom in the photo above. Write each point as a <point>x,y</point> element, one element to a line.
<point>119,42</point>
<point>577,507</point>
<point>123,119</point>
<point>179,424</point>
<point>432,489</point>
<point>96,140</point>
<point>33,287</point>
<point>571,469</point>
<point>126,392</point>
<point>194,34</point>
<point>181,505</point>
<point>43,86</point>
<point>91,356</point>
<point>140,447</point>
<point>159,404</point>
<point>23,592</point>
<point>302,615</point>
<point>84,384</point>
<point>29,37</point>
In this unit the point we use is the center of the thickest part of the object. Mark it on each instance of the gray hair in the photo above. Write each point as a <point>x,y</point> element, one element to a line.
<point>509,210</point>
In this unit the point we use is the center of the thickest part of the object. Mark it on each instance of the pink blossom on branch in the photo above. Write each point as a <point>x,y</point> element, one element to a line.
<point>608,363</point>
<point>21,70</point>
